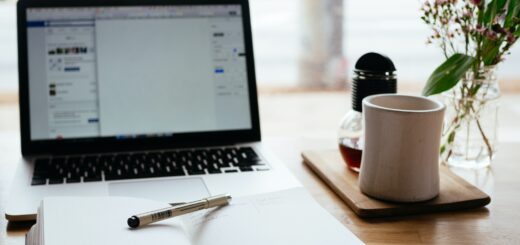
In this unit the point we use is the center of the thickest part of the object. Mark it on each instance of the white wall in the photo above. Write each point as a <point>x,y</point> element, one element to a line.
<point>392,27</point>
<point>8,47</point>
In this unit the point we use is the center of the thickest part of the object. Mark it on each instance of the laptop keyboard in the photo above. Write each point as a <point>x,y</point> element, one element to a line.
<point>88,168</point>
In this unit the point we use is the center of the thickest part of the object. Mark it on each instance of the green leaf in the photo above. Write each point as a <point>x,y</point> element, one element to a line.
<point>448,74</point>
<point>451,137</point>
<point>492,9</point>
<point>475,89</point>
<point>513,9</point>
<point>490,50</point>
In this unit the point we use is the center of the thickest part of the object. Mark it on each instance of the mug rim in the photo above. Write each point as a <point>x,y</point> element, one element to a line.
<point>368,102</point>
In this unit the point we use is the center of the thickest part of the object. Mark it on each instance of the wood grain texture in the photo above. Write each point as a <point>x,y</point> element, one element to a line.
<point>496,223</point>
<point>402,135</point>
<point>455,192</point>
<point>293,123</point>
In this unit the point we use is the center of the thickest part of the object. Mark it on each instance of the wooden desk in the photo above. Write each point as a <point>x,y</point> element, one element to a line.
<point>292,123</point>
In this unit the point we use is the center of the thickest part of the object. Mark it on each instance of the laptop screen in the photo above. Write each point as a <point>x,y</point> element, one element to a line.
<point>130,72</point>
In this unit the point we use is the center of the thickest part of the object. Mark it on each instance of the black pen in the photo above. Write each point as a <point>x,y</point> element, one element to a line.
<point>150,217</point>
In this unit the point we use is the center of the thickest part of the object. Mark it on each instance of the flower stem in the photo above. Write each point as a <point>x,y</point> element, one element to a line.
<point>484,137</point>
<point>464,107</point>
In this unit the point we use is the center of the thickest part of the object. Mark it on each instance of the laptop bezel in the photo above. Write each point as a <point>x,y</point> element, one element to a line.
<point>113,144</point>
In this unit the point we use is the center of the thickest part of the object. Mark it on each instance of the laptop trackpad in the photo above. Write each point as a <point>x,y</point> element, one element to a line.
<point>169,190</point>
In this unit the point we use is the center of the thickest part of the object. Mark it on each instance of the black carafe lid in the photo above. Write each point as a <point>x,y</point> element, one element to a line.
<point>373,74</point>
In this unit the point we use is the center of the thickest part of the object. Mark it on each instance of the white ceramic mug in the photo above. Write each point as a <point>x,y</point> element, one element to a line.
<point>400,159</point>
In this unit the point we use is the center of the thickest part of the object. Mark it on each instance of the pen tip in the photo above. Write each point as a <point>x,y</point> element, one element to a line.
<point>133,222</point>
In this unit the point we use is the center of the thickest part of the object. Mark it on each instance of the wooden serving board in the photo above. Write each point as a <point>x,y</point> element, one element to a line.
<point>455,192</point>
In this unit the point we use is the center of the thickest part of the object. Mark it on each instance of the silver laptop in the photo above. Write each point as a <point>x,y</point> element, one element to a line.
<point>144,98</point>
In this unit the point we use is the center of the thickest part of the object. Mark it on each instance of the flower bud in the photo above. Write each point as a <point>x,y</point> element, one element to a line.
<point>476,2</point>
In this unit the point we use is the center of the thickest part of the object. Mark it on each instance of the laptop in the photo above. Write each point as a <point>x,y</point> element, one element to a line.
<point>143,98</point>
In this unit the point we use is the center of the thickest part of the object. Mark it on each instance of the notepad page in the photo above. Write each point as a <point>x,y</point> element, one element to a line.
<point>34,236</point>
<point>102,220</point>
<point>31,236</point>
<point>285,217</point>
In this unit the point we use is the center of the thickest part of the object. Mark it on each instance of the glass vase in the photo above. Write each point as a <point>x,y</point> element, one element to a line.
<point>470,129</point>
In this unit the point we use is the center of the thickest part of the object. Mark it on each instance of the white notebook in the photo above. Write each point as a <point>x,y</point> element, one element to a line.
<point>284,217</point>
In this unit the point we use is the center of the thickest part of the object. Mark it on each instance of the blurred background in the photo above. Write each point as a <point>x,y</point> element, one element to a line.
<point>313,44</point>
